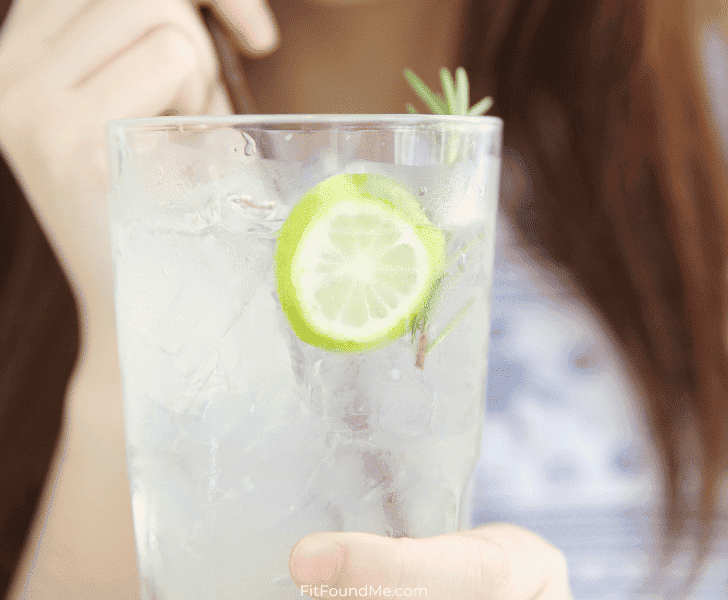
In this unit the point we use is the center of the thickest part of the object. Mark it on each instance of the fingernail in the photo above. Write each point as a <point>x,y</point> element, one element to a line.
<point>315,560</point>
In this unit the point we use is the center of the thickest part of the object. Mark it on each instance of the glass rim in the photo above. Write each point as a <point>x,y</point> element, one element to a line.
<point>310,121</point>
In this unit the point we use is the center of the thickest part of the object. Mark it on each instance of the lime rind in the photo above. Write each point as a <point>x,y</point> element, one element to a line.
<point>360,196</point>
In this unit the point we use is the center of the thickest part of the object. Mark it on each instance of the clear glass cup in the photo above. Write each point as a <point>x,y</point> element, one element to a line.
<point>241,437</point>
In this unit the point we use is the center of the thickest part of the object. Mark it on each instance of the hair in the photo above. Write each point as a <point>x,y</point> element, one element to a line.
<point>604,105</point>
<point>605,108</point>
<point>39,341</point>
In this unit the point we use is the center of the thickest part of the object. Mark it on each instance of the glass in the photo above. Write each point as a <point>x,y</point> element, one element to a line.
<point>242,438</point>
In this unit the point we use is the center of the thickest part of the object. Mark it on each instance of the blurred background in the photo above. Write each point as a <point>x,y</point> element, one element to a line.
<point>566,451</point>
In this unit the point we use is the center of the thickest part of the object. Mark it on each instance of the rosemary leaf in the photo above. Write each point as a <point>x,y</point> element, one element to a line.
<point>450,326</point>
<point>448,88</point>
<point>435,103</point>
<point>463,91</point>
<point>411,109</point>
<point>454,101</point>
<point>481,107</point>
<point>463,252</point>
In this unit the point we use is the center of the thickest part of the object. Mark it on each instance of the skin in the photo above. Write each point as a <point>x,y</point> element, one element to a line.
<point>66,68</point>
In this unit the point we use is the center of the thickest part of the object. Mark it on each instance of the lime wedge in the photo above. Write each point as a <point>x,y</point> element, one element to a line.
<point>355,262</point>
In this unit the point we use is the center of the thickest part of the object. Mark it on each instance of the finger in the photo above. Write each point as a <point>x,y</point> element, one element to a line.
<point>155,76</point>
<point>494,562</point>
<point>107,28</point>
<point>42,17</point>
<point>220,103</point>
<point>251,24</point>
<point>159,72</point>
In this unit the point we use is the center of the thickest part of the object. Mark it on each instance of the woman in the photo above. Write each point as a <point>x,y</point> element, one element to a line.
<point>604,109</point>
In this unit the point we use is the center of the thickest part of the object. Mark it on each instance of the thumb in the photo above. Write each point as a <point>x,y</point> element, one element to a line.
<point>493,562</point>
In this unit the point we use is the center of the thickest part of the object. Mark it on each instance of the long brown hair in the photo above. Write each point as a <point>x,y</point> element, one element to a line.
<point>39,340</point>
<point>38,346</point>
<point>605,108</point>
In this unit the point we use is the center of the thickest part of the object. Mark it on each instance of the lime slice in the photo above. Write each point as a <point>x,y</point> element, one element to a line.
<point>355,261</point>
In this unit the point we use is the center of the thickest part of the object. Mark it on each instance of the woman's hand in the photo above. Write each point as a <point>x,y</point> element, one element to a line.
<point>66,69</point>
<point>492,562</point>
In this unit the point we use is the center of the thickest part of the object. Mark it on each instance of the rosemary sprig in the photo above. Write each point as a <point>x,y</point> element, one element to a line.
<point>454,100</point>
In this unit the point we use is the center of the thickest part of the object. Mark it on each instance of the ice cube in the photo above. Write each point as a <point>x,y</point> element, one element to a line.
<point>257,356</point>
<point>335,384</point>
<point>403,398</point>
<point>432,507</point>
<point>177,295</point>
<point>162,485</point>
<point>456,194</point>
<point>215,279</point>
<point>354,487</point>
<point>319,165</point>
<point>269,469</point>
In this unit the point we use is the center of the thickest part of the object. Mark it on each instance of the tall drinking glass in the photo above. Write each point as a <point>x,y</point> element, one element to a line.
<point>303,310</point>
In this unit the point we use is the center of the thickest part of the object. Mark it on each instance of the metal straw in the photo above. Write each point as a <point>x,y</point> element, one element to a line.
<point>231,66</point>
